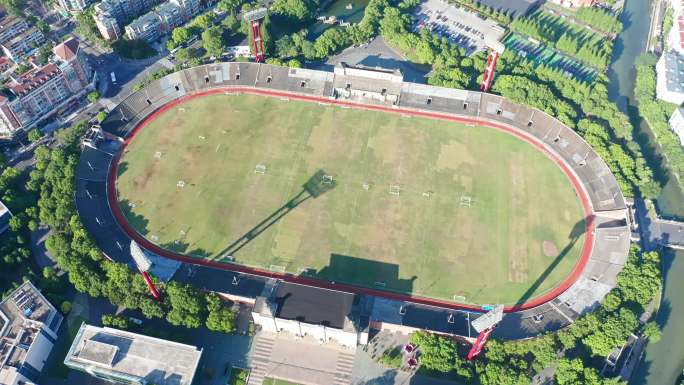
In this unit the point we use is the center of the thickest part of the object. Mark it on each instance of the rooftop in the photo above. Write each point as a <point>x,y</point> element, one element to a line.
<point>32,79</point>
<point>313,305</point>
<point>22,315</point>
<point>67,50</point>
<point>126,355</point>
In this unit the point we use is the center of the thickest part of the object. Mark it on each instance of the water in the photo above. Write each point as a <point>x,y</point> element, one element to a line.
<point>662,363</point>
<point>341,10</point>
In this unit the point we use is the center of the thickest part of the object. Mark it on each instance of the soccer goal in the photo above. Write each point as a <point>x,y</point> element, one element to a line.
<point>327,179</point>
<point>180,184</point>
<point>466,201</point>
<point>394,189</point>
<point>158,154</point>
<point>260,169</point>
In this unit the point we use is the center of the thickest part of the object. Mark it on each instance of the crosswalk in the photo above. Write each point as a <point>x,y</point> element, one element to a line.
<point>343,369</point>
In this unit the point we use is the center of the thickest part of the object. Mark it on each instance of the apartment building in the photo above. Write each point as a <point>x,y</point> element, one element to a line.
<point>22,45</point>
<point>163,19</point>
<point>11,26</point>
<point>74,5</point>
<point>147,27</point>
<point>37,94</point>
<point>110,15</point>
<point>28,331</point>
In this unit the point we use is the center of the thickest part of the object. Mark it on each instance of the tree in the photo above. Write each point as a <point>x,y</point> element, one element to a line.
<point>180,35</point>
<point>652,331</point>
<point>438,353</point>
<point>187,305</point>
<point>229,6</point>
<point>34,135</point>
<point>115,321</point>
<point>101,116</point>
<point>93,96</point>
<point>203,21</point>
<point>212,41</point>
<point>295,10</point>
<point>44,53</point>
<point>65,307</point>
<point>231,23</point>
<point>220,318</point>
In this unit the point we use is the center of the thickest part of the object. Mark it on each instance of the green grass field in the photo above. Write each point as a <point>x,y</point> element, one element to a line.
<point>415,205</point>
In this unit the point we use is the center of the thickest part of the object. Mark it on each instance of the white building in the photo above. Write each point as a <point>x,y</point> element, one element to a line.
<point>129,358</point>
<point>677,123</point>
<point>28,330</point>
<point>670,77</point>
<point>74,5</point>
<point>670,67</point>
<point>147,27</point>
<point>325,315</point>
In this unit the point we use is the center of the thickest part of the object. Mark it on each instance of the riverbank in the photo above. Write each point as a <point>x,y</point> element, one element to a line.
<point>662,362</point>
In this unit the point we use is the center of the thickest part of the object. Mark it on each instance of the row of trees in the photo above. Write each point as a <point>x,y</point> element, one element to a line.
<point>77,254</point>
<point>657,113</point>
<point>584,107</point>
<point>592,48</point>
<point>577,352</point>
<point>599,19</point>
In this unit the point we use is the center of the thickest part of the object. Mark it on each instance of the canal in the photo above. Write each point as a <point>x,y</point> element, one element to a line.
<point>662,363</point>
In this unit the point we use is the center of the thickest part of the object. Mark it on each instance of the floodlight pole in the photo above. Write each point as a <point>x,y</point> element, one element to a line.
<point>144,264</point>
<point>485,326</point>
<point>479,344</point>
<point>495,50</point>
<point>254,18</point>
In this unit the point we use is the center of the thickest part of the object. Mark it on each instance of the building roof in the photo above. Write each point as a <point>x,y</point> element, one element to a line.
<point>313,305</point>
<point>124,355</point>
<point>67,50</point>
<point>23,313</point>
<point>33,79</point>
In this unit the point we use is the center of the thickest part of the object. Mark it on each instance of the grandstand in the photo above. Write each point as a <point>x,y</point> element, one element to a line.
<point>607,221</point>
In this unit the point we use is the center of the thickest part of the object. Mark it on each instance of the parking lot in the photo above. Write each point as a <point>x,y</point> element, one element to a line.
<point>467,29</point>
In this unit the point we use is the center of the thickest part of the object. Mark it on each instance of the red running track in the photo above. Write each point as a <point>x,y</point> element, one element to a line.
<point>142,241</point>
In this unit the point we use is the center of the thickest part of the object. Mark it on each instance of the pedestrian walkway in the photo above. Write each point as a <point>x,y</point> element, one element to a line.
<point>343,370</point>
<point>304,361</point>
<point>261,356</point>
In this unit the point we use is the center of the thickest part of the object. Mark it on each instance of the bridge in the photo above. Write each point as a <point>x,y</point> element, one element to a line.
<point>656,232</point>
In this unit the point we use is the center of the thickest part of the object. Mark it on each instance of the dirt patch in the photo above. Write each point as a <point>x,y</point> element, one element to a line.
<point>453,155</point>
<point>518,263</point>
<point>549,248</point>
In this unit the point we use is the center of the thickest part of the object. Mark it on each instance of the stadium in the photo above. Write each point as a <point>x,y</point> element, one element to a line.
<point>359,182</point>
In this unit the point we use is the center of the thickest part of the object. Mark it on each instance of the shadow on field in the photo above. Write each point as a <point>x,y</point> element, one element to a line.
<point>121,168</point>
<point>576,232</point>
<point>137,221</point>
<point>365,273</point>
<point>314,187</point>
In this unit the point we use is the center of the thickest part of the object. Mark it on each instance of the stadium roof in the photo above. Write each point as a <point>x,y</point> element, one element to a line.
<point>313,305</point>
<point>129,357</point>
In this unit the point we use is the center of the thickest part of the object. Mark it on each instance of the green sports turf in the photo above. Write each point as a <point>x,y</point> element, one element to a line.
<point>426,240</point>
